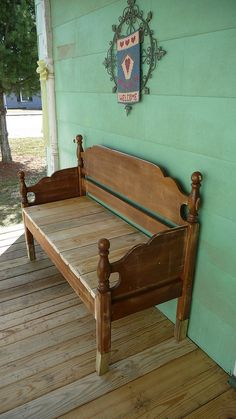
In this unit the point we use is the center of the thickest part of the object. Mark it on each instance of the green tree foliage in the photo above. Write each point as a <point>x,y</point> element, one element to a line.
<point>18,56</point>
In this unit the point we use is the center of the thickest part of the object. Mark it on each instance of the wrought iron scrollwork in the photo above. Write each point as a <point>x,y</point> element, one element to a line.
<point>132,19</point>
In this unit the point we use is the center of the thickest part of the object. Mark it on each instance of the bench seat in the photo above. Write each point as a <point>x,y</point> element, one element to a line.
<point>71,228</point>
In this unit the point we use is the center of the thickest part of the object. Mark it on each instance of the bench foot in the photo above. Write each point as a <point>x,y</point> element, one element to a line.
<point>181,327</point>
<point>31,252</point>
<point>30,245</point>
<point>102,363</point>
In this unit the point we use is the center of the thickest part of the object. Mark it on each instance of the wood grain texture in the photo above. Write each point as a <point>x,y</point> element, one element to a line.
<point>149,265</point>
<point>63,184</point>
<point>81,349</point>
<point>163,394</point>
<point>55,256</point>
<point>184,302</point>
<point>127,210</point>
<point>73,248</point>
<point>92,386</point>
<point>47,348</point>
<point>151,272</point>
<point>138,180</point>
<point>144,299</point>
<point>222,407</point>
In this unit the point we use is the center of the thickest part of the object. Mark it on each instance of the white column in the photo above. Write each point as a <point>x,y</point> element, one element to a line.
<point>46,71</point>
<point>51,108</point>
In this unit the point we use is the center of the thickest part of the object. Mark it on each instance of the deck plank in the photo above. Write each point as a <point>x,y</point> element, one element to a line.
<point>24,315</point>
<point>173,391</point>
<point>28,278</point>
<point>14,227</point>
<point>47,344</point>
<point>29,288</point>
<point>23,260</point>
<point>47,339</point>
<point>142,329</point>
<point>92,386</point>
<point>77,361</point>
<point>222,407</point>
<point>17,251</point>
<point>24,269</point>
<point>39,325</point>
<point>10,306</point>
<point>9,241</point>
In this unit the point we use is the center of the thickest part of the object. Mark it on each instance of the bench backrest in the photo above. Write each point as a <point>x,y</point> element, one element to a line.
<point>129,184</point>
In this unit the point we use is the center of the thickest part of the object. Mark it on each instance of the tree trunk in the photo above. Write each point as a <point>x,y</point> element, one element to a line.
<point>4,144</point>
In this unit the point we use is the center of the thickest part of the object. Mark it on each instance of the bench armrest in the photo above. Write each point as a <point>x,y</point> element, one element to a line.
<point>149,273</point>
<point>63,184</point>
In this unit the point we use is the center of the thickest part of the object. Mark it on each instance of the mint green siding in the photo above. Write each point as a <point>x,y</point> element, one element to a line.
<point>187,123</point>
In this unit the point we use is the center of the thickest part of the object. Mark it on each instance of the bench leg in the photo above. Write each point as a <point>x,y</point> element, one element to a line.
<point>182,316</point>
<point>30,244</point>
<point>103,332</point>
<point>181,328</point>
<point>184,302</point>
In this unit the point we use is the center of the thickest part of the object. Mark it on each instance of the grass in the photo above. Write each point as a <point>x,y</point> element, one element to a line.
<point>29,155</point>
<point>28,146</point>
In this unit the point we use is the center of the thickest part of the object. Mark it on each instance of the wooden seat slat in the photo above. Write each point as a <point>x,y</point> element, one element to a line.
<point>77,245</point>
<point>90,264</point>
<point>45,215</point>
<point>78,255</point>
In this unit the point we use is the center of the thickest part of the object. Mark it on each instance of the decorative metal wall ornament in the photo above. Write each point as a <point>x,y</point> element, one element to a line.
<point>131,24</point>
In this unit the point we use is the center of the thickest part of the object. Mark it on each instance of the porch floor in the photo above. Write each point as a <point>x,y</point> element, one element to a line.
<point>47,354</point>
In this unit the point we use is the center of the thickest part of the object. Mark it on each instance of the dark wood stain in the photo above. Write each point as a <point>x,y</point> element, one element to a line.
<point>150,273</point>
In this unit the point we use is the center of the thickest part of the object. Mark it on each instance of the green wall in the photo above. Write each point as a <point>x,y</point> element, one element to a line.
<point>187,123</point>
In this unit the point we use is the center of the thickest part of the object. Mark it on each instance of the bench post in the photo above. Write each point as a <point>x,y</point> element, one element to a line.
<point>80,163</point>
<point>24,203</point>
<point>184,302</point>
<point>103,309</point>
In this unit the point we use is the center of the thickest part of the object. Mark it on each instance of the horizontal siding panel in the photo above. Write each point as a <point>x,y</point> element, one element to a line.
<point>208,291</point>
<point>215,16</point>
<point>94,31</point>
<point>206,56</point>
<point>218,175</point>
<point>189,124</point>
<point>62,36</point>
<point>63,11</point>
<point>213,334</point>
<point>65,75</point>
<point>187,57</point>
<point>79,71</point>
<point>218,244</point>
<point>177,19</point>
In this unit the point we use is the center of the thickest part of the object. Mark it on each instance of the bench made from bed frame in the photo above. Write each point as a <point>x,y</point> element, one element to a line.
<point>67,219</point>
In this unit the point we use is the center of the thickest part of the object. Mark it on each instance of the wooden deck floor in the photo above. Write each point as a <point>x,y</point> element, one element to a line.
<point>47,354</point>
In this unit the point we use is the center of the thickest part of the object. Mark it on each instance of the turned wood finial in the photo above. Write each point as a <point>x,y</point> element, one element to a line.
<point>104,267</point>
<point>194,198</point>
<point>79,141</point>
<point>23,189</point>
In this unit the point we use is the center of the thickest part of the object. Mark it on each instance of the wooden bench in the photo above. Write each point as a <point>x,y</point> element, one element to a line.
<point>68,220</point>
